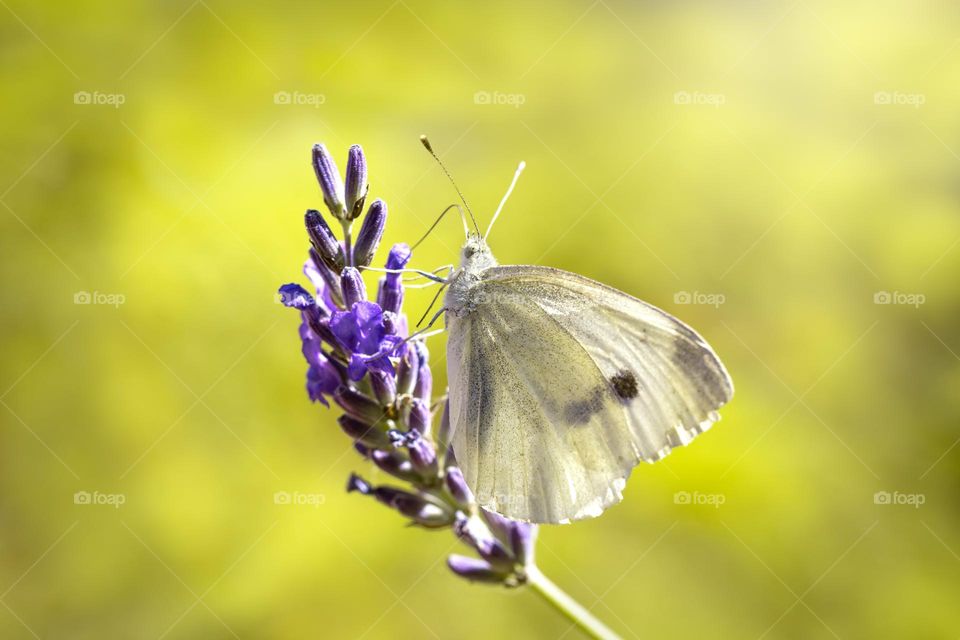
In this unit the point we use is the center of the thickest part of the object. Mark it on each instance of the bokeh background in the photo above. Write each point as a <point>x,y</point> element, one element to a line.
<point>789,170</point>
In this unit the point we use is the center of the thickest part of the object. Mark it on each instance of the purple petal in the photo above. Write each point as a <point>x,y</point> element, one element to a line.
<point>357,367</point>
<point>344,327</point>
<point>296,297</point>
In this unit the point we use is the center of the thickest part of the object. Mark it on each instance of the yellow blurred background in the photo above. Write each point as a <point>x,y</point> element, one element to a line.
<point>783,176</point>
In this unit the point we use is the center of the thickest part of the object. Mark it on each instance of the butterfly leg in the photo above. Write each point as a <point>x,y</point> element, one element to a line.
<point>422,333</point>
<point>449,268</point>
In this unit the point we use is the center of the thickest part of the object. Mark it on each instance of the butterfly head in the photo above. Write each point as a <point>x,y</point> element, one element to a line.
<point>475,256</point>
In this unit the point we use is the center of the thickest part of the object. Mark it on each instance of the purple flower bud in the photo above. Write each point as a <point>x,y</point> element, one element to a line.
<point>420,510</point>
<point>370,233</point>
<point>398,257</point>
<point>499,525</point>
<point>333,297</point>
<point>494,552</point>
<point>323,240</point>
<point>422,454</point>
<point>359,406</point>
<point>352,285</point>
<point>329,178</point>
<point>384,386</point>
<point>356,182</point>
<point>407,371</point>
<point>362,432</point>
<point>457,486</point>
<point>395,464</point>
<point>358,484</point>
<point>390,294</point>
<point>390,297</point>
<point>477,535</point>
<point>473,569</point>
<point>424,387</point>
<point>419,418</point>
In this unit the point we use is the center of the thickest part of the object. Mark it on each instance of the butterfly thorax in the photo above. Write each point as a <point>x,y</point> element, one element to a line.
<point>475,258</point>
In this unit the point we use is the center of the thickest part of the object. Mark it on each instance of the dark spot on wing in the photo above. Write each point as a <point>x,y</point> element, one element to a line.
<point>625,384</point>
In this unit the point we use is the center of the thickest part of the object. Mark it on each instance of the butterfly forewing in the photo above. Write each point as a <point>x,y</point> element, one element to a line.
<point>560,385</point>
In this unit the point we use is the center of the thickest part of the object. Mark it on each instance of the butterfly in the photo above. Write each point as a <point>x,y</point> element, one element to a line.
<point>559,385</point>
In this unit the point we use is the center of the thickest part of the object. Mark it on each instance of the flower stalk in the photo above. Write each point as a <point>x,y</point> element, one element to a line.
<point>360,356</point>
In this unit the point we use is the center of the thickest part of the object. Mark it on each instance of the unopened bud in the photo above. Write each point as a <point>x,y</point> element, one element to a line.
<point>329,178</point>
<point>355,184</point>
<point>359,406</point>
<point>473,569</point>
<point>352,286</point>
<point>370,233</point>
<point>323,240</point>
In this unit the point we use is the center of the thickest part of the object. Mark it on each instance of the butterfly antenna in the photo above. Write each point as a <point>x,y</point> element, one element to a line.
<point>437,221</point>
<point>426,145</point>
<point>513,183</point>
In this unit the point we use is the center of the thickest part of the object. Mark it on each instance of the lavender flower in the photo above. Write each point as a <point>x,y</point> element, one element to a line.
<point>358,355</point>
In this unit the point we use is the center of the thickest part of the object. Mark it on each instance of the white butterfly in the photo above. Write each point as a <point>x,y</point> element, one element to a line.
<point>559,386</point>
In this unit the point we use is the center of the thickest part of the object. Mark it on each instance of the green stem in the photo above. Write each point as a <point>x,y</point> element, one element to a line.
<point>573,610</point>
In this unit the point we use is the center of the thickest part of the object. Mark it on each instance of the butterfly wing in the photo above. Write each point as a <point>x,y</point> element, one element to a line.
<point>560,385</point>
